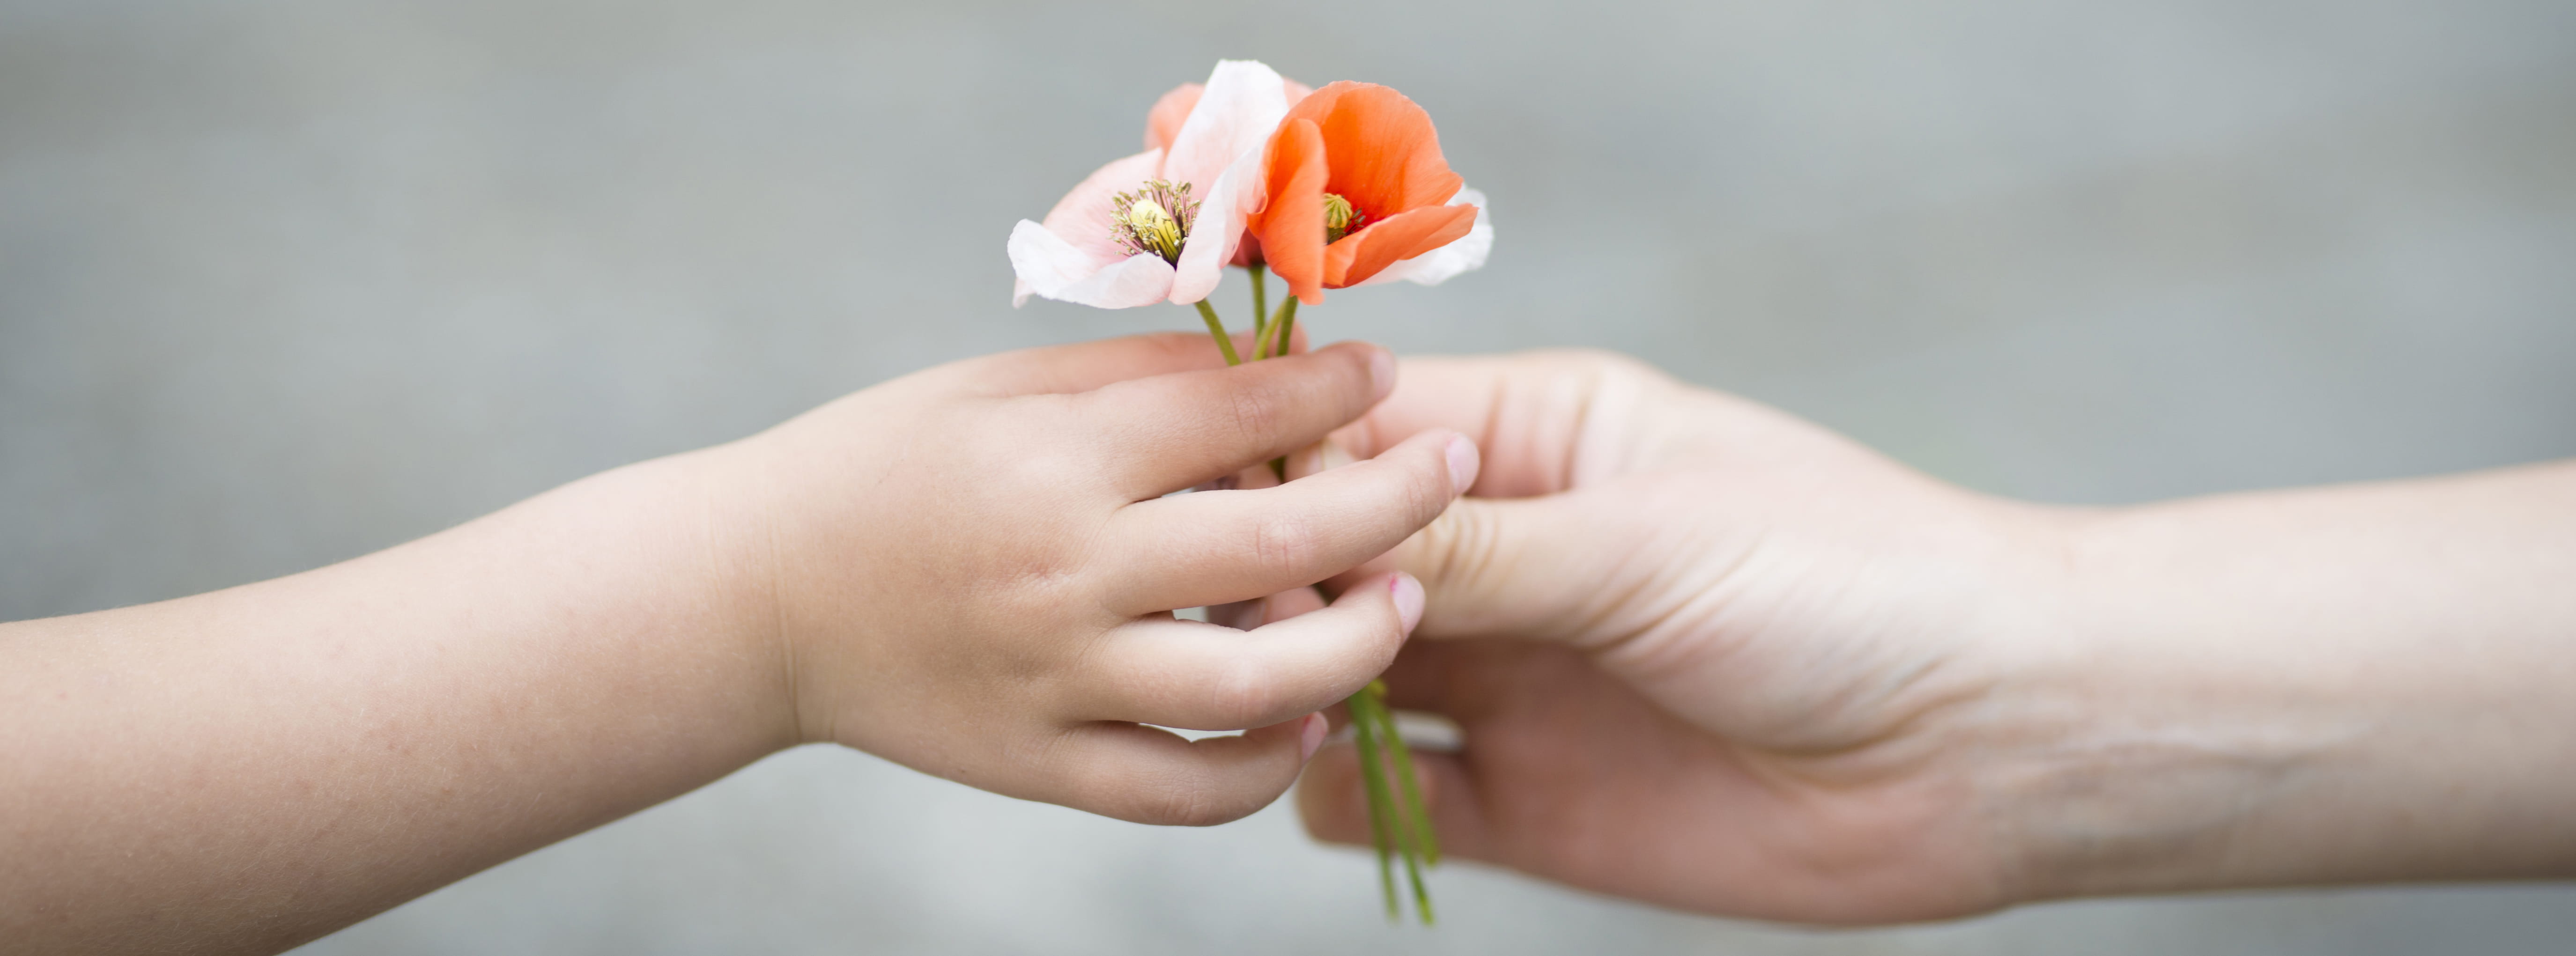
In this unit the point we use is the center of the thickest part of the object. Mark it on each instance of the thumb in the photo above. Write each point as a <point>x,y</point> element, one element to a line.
<point>1533,568</point>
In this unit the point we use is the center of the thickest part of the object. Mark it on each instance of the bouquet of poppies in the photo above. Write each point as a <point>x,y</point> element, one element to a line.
<point>1329,188</point>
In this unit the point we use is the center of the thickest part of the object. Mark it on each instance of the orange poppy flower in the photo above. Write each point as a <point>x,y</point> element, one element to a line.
<point>1356,185</point>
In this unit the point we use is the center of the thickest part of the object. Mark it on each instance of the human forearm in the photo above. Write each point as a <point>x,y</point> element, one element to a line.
<point>968,570</point>
<point>250,768</point>
<point>2330,685</point>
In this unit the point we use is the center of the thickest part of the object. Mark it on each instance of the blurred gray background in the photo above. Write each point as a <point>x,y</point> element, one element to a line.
<point>281,283</point>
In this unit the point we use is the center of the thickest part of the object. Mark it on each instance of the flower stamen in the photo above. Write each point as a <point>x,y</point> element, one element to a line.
<point>1155,219</point>
<point>1340,218</point>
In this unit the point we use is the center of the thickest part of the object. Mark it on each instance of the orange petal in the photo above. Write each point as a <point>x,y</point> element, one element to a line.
<point>1164,121</point>
<point>1291,227</point>
<point>1394,239</point>
<point>1385,154</point>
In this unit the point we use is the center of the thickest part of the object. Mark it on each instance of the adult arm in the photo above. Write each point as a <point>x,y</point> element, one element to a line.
<point>1708,655</point>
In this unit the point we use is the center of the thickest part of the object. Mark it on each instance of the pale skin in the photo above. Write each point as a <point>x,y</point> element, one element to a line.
<point>1706,655</point>
<point>966,571</point>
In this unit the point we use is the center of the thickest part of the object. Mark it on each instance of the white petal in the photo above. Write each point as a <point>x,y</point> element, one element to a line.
<point>1050,266</point>
<point>1044,262</point>
<point>1440,265</point>
<point>1243,105</point>
<point>1219,229</point>
<point>1142,279</point>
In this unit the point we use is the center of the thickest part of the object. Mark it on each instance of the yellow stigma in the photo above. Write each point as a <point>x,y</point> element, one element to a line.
<point>1156,230</point>
<point>1340,217</point>
<point>1154,219</point>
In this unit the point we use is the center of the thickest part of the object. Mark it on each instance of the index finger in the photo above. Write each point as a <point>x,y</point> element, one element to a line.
<point>1169,432</point>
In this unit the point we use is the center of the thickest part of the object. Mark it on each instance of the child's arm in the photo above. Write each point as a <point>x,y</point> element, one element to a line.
<point>1761,670</point>
<point>964,570</point>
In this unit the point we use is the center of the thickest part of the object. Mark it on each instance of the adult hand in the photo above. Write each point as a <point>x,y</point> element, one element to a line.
<point>1707,655</point>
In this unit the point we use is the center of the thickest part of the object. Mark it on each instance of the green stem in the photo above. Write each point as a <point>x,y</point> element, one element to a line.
<point>1425,843</point>
<point>1216,327</point>
<point>1397,825</point>
<point>1280,326</point>
<point>1277,332</point>
<point>1260,300</point>
<point>1413,821</point>
<point>1413,875</point>
<point>1406,825</point>
<point>1381,804</point>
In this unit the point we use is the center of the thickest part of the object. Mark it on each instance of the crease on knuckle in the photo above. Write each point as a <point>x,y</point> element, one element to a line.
<point>1285,546</point>
<point>1189,807</point>
<point>1427,494</point>
<point>1456,548</point>
<point>1258,415</point>
<point>1242,693</point>
<point>1353,388</point>
<point>1186,799</point>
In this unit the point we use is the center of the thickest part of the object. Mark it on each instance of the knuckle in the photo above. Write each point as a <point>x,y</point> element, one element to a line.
<point>1190,804</point>
<point>1258,414</point>
<point>1353,385</point>
<point>1454,548</point>
<point>1286,545</point>
<point>1428,492</point>
<point>1194,810</point>
<point>1243,693</point>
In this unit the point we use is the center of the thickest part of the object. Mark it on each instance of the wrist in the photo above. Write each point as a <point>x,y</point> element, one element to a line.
<point>706,533</point>
<point>2226,694</point>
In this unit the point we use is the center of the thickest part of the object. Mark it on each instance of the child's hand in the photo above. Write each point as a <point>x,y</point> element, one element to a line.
<point>973,568</point>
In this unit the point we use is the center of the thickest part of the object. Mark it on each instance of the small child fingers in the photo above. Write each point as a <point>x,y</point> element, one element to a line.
<point>1204,677</point>
<point>1217,547</point>
<point>1246,615</point>
<point>1146,775</point>
<point>1169,432</point>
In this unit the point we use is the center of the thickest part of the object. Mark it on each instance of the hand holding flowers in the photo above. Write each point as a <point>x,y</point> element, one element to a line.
<point>1333,188</point>
<point>993,606</point>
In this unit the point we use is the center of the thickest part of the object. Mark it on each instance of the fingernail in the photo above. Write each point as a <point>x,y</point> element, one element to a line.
<point>1382,373</point>
<point>1408,600</point>
<point>1310,737</point>
<point>1463,464</point>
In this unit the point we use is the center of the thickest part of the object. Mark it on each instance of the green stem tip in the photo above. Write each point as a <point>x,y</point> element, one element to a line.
<point>1399,823</point>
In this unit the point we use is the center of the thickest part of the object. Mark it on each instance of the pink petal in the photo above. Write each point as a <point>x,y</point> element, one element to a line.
<point>1441,264</point>
<point>1084,215</point>
<point>1243,103</point>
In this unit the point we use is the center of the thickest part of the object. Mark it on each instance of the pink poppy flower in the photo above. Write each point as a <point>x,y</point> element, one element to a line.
<point>1162,225</point>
